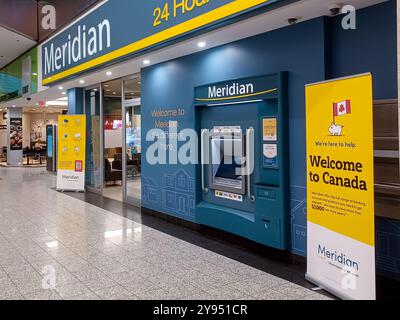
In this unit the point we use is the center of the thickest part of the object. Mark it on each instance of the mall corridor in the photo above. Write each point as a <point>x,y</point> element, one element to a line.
<point>97,254</point>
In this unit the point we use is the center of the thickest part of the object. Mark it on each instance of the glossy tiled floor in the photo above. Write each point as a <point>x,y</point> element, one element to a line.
<point>100,255</point>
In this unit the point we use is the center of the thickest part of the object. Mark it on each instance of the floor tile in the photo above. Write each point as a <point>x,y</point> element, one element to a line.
<point>43,295</point>
<point>90,262</point>
<point>115,293</point>
<point>72,290</point>
<point>293,290</point>
<point>138,286</point>
<point>270,294</point>
<point>99,283</point>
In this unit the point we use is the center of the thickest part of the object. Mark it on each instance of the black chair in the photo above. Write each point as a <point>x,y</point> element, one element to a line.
<point>30,153</point>
<point>43,154</point>
<point>111,175</point>
<point>117,163</point>
<point>5,153</point>
<point>137,161</point>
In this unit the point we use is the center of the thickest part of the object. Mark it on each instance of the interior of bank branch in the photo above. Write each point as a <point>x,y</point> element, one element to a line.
<point>31,132</point>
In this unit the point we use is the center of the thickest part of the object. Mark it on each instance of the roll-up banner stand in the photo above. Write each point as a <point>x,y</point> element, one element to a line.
<point>340,187</point>
<point>71,153</point>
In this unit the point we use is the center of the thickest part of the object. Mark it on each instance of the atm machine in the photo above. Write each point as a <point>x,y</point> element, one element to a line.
<point>51,136</point>
<point>245,158</point>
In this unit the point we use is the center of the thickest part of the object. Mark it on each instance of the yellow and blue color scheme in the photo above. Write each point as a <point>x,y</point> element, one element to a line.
<point>96,39</point>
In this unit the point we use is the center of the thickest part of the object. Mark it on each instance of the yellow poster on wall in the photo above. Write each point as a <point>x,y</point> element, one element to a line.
<point>71,152</point>
<point>340,186</point>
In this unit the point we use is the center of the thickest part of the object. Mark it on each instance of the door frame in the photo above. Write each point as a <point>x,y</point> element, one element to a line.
<point>98,86</point>
<point>129,103</point>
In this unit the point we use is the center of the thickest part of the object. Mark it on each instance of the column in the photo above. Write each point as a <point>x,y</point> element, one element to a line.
<point>14,137</point>
<point>75,101</point>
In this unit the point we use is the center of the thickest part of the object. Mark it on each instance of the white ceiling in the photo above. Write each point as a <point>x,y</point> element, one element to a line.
<point>12,45</point>
<point>278,18</point>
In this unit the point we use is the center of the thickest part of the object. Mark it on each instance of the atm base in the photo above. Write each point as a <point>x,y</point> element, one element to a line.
<point>244,224</point>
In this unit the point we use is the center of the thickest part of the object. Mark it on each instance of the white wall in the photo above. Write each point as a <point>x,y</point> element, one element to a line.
<point>113,139</point>
<point>36,120</point>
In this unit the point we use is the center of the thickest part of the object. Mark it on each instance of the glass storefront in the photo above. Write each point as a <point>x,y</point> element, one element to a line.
<point>113,111</point>
<point>132,140</point>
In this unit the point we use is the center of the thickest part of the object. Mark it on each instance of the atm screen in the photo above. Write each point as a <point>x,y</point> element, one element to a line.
<point>228,170</point>
<point>227,162</point>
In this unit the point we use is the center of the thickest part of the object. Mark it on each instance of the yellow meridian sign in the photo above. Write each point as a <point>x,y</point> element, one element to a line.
<point>71,152</point>
<point>340,187</point>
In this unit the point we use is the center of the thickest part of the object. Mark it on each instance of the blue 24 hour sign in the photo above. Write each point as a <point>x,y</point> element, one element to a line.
<point>117,29</point>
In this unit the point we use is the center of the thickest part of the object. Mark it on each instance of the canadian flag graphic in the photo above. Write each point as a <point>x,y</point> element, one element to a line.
<point>341,108</point>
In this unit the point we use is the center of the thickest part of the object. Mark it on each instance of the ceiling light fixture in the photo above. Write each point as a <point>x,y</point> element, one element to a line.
<point>64,93</point>
<point>146,62</point>
<point>201,44</point>
<point>60,88</point>
<point>108,73</point>
<point>81,81</point>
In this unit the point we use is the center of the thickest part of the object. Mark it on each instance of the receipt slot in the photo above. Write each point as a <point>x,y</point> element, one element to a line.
<point>244,158</point>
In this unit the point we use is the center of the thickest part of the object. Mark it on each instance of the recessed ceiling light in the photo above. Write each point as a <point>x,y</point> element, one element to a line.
<point>95,90</point>
<point>34,74</point>
<point>81,81</point>
<point>60,88</point>
<point>106,85</point>
<point>146,62</point>
<point>63,92</point>
<point>108,90</point>
<point>201,44</point>
<point>114,92</point>
<point>108,73</point>
<point>14,106</point>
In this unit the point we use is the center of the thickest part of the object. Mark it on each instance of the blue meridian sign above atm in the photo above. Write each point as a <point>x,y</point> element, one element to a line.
<point>118,29</point>
<point>236,91</point>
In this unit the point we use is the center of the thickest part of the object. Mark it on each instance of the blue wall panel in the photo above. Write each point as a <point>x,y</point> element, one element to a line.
<point>372,47</point>
<point>298,49</point>
<point>310,51</point>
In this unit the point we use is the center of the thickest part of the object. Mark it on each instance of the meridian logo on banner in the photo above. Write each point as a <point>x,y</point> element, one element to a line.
<point>340,188</point>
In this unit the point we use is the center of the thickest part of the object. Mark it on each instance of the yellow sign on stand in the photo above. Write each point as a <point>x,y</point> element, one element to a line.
<point>71,153</point>
<point>340,186</point>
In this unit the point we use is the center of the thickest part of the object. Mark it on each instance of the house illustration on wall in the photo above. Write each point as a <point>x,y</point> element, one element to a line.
<point>179,193</point>
<point>298,214</point>
<point>149,191</point>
